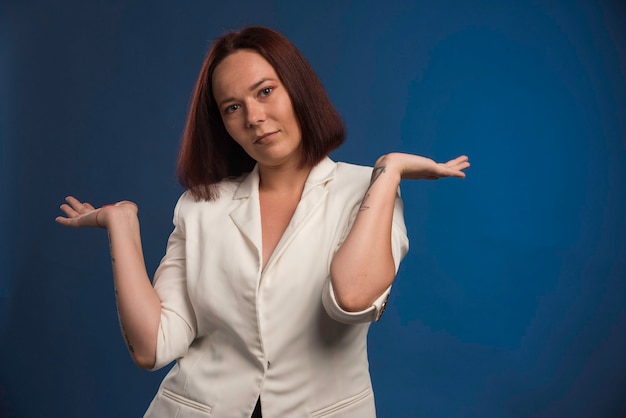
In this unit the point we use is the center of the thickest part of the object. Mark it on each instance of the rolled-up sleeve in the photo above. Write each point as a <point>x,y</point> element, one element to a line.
<point>399,248</point>
<point>178,322</point>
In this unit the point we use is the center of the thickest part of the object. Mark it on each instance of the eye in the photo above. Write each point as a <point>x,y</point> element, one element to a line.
<point>266,91</point>
<point>232,108</point>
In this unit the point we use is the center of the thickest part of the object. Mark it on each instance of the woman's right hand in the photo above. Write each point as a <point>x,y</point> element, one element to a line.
<point>79,214</point>
<point>138,304</point>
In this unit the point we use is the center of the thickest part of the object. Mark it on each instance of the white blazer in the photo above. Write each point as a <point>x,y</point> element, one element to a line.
<point>238,332</point>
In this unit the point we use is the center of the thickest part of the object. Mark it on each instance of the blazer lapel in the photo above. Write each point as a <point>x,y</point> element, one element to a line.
<point>313,195</point>
<point>247,216</point>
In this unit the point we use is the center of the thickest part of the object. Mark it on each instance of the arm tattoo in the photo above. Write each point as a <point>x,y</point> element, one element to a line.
<point>378,170</point>
<point>110,247</point>
<point>130,347</point>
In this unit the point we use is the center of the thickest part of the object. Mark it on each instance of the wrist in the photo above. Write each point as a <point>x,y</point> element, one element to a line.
<point>391,166</point>
<point>118,213</point>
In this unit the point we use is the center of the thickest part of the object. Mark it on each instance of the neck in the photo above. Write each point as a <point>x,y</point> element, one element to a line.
<point>284,179</point>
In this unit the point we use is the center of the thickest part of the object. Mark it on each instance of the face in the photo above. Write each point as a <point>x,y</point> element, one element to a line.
<point>256,109</point>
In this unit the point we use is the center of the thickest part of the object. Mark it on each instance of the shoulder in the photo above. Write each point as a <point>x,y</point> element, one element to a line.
<point>188,203</point>
<point>353,168</point>
<point>352,174</point>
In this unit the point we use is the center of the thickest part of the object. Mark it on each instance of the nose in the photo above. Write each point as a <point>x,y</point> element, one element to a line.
<point>255,114</point>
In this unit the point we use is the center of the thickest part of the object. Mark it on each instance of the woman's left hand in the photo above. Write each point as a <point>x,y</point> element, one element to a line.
<point>414,167</point>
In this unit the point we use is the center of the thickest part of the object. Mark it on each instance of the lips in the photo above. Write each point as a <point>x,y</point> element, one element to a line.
<point>264,138</point>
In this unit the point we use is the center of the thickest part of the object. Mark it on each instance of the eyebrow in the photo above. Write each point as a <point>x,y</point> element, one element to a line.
<point>251,88</point>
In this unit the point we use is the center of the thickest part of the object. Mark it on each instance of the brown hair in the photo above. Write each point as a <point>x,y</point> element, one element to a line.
<point>208,154</point>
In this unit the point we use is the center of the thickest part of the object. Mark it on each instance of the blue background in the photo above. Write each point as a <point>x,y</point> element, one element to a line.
<point>512,300</point>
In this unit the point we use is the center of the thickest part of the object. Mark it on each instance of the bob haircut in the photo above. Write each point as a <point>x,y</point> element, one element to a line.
<point>208,154</point>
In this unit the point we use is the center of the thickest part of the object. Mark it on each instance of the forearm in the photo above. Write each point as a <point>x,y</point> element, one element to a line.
<point>364,267</point>
<point>138,304</point>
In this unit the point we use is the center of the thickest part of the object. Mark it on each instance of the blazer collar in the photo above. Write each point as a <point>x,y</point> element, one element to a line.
<point>247,215</point>
<point>322,173</point>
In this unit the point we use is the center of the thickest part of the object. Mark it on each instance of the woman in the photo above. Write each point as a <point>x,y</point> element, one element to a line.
<point>279,259</point>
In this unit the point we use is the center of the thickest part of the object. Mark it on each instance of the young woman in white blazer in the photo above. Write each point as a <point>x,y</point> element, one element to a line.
<point>280,258</point>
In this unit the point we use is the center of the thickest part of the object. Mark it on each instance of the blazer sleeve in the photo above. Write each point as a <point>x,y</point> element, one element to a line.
<point>178,325</point>
<point>399,248</point>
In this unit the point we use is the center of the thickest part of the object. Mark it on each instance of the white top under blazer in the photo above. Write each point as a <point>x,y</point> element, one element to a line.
<point>238,332</point>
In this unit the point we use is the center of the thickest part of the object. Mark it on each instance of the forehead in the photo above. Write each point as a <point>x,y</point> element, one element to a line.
<point>239,71</point>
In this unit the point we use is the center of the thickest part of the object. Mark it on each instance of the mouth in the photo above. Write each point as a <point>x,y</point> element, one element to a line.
<point>264,138</point>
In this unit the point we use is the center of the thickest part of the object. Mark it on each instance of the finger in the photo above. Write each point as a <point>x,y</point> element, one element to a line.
<point>79,206</point>
<point>451,172</point>
<point>456,161</point>
<point>72,201</point>
<point>454,173</point>
<point>75,203</point>
<point>460,165</point>
<point>69,211</point>
<point>66,221</point>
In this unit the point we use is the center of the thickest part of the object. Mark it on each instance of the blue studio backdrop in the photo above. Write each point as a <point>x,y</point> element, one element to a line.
<point>512,300</point>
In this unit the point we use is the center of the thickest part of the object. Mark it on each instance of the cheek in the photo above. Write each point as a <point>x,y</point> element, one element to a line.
<point>289,116</point>
<point>296,124</point>
<point>231,128</point>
